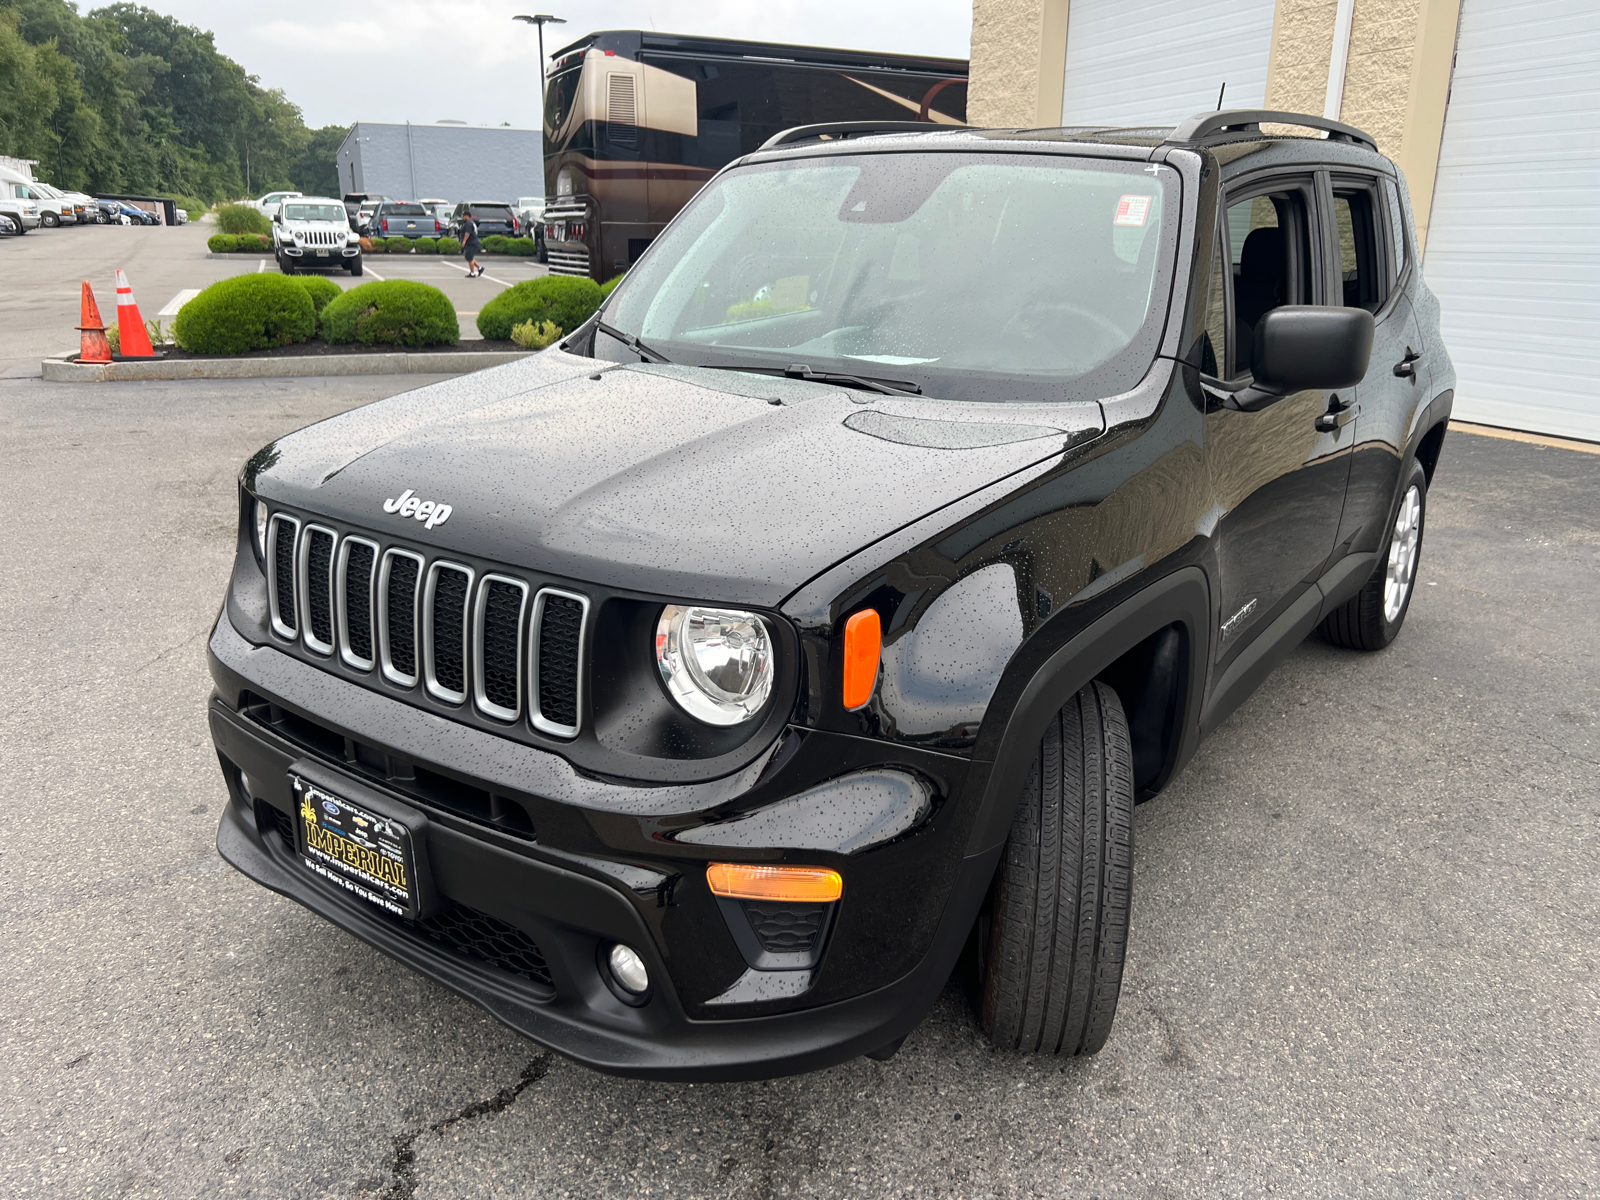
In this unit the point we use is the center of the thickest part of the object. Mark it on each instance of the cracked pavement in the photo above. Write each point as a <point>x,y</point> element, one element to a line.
<point>1364,955</point>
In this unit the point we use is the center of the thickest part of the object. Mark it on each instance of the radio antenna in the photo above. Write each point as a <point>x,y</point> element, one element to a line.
<point>1220,92</point>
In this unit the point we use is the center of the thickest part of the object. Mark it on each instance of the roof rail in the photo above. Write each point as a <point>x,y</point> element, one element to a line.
<point>845,129</point>
<point>1244,120</point>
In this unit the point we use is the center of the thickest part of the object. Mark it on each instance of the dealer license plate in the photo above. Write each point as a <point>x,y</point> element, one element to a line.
<point>361,851</point>
<point>322,254</point>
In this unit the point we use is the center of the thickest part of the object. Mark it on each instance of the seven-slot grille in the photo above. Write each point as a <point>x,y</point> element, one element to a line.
<point>434,623</point>
<point>320,237</point>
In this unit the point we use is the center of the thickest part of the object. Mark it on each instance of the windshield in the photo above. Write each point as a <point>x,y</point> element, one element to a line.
<point>314,212</point>
<point>974,276</point>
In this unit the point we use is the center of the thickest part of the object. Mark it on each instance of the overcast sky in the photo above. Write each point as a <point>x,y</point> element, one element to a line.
<point>399,60</point>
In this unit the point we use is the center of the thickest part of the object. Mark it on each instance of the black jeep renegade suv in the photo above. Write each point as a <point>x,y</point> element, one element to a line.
<point>691,694</point>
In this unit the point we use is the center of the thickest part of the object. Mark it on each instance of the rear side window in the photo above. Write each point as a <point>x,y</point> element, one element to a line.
<point>1363,271</point>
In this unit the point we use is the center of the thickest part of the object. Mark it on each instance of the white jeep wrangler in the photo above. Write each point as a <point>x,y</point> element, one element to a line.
<point>314,231</point>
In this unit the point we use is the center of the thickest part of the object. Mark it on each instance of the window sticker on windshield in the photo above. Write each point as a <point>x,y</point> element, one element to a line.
<point>1132,210</point>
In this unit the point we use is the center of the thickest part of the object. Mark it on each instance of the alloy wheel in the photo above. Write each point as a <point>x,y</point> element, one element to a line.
<point>1403,545</point>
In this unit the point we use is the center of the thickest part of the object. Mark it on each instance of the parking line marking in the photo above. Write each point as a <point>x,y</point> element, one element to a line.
<point>178,301</point>
<point>1534,439</point>
<point>490,278</point>
<point>261,266</point>
<point>366,270</point>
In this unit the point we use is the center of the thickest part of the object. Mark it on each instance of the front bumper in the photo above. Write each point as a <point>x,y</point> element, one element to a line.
<point>598,877</point>
<point>319,253</point>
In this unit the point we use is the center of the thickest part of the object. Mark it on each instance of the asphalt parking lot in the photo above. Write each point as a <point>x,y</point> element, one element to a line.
<point>39,302</point>
<point>1365,957</point>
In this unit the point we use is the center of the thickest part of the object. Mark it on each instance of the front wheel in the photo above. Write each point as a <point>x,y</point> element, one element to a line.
<point>1371,618</point>
<point>285,265</point>
<point>354,265</point>
<point>1057,925</point>
<point>50,220</point>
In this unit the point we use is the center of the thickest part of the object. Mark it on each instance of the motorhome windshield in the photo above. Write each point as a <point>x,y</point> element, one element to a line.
<point>974,276</point>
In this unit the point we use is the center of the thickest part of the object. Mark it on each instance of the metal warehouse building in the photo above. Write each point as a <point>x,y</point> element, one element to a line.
<point>1490,107</point>
<point>447,161</point>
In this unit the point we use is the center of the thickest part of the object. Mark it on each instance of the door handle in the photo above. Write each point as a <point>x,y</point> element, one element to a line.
<point>1339,415</point>
<point>1406,368</point>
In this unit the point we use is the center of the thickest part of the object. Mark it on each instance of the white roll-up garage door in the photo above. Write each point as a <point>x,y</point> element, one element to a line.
<point>1155,62</point>
<point>1514,238</point>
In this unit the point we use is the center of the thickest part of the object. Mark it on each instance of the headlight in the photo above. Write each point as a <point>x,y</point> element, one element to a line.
<point>716,662</point>
<point>261,530</point>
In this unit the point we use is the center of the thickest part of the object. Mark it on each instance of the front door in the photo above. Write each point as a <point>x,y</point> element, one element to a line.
<point>1278,479</point>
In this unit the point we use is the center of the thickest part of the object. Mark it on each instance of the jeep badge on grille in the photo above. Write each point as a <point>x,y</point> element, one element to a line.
<point>429,511</point>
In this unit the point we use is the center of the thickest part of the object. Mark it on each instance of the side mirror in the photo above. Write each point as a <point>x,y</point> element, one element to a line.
<point>1311,346</point>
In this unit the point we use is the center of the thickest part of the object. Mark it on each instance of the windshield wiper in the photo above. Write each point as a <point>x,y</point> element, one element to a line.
<point>867,383</point>
<point>632,343</point>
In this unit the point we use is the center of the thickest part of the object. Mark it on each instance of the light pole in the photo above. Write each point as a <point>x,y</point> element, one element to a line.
<point>541,20</point>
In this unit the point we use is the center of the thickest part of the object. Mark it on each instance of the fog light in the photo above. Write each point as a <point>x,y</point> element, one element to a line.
<point>627,968</point>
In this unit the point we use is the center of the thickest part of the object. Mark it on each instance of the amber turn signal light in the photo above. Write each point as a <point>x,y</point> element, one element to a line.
<point>863,646</point>
<point>802,885</point>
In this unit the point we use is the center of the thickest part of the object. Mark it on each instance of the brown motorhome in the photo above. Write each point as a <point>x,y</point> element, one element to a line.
<point>636,122</point>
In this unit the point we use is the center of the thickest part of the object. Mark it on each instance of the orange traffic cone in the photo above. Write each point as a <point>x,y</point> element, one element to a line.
<point>93,346</point>
<point>130,325</point>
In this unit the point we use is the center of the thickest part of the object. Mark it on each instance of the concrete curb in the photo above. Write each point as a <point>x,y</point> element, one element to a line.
<point>409,363</point>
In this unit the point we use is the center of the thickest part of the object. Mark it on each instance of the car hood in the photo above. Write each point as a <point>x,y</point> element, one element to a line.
<point>681,482</point>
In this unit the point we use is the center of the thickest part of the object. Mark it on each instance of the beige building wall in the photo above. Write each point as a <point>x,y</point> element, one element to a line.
<point>1019,51</point>
<point>1396,80</point>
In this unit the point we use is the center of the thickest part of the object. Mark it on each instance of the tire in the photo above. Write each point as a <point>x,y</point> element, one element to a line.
<point>1371,618</point>
<point>285,265</point>
<point>1057,921</point>
<point>355,265</point>
<point>50,220</point>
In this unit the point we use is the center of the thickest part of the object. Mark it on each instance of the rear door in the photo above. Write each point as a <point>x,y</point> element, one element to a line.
<point>1279,481</point>
<point>1366,260</point>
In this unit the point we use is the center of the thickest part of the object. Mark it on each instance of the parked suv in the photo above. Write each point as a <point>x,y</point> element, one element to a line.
<point>493,216</point>
<point>691,694</point>
<point>313,231</point>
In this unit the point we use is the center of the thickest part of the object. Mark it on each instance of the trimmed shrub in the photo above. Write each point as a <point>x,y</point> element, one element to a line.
<point>610,285</point>
<point>520,245</point>
<point>398,245</point>
<point>426,246</point>
<point>241,218</point>
<point>222,243</point>
<point>391,312</point>
<point>495,243</point>
<point>261,243</point>
<point>567,301</point>
<point>320,288</point>
<point>532,336</point>
<point>448,245</point>
<point>247,312</point>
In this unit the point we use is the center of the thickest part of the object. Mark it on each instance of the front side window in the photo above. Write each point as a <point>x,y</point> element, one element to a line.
<point>971,276</point>
<point>1269,247</point>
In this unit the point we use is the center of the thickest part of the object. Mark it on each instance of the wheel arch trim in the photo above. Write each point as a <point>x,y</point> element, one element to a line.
<point>1181,598</point>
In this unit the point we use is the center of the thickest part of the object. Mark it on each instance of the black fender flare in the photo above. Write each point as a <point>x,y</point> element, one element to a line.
<point>1182,598</point>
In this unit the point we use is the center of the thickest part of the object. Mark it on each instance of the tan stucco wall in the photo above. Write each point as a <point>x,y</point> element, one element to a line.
<point>1396,80</point>
<point>1019,51</point>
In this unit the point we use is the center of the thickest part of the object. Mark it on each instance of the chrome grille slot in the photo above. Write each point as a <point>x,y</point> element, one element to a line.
<point>497,647</point>
<point>281,537</point>
<point>316,587</point>
<point>399,586</point>
<point>566,261</point>
<point>560,635</point>
<point>358,560</point>
<point>444,630</point>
